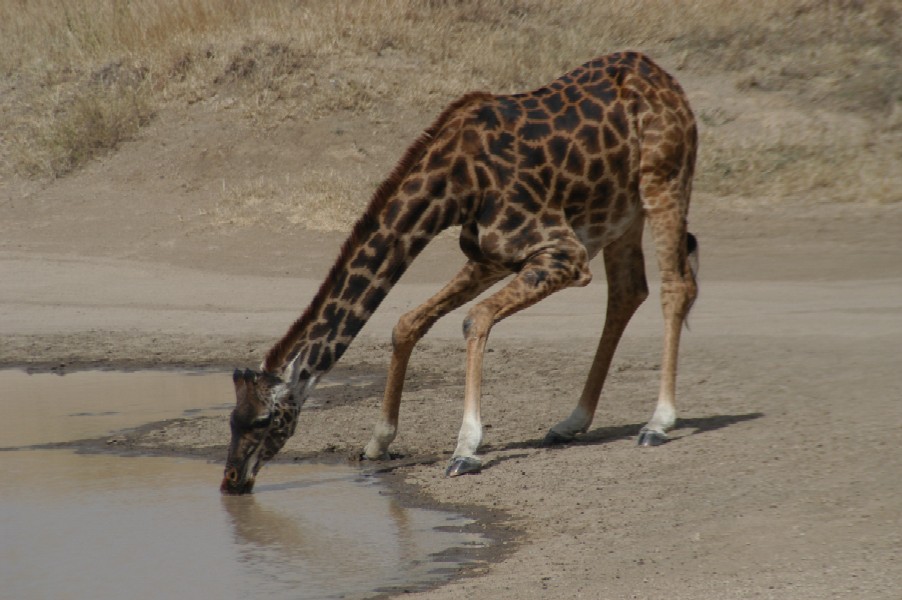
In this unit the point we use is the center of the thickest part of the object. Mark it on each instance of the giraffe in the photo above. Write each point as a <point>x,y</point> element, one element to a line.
<point>540,182</point>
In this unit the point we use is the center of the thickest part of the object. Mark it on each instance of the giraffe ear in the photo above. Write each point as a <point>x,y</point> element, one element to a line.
<point>246,375</point>
<point>247,396</point>
<point>240,385</point>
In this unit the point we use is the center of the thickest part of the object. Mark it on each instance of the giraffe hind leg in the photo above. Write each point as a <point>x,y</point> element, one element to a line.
<point>627,289</point>
<point>665,185</point>
<point>677,252</point>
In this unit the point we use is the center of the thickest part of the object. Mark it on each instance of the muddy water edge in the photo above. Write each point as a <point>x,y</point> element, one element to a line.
<point>69,446</point>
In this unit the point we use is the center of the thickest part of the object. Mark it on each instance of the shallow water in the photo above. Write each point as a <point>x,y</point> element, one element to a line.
<point>47,408</point>
<point>101,526</point>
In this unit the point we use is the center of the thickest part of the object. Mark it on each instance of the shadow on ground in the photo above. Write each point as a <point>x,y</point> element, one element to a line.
<point>604,435</point>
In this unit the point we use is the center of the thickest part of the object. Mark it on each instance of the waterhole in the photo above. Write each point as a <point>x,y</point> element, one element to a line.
<point>76,525</point>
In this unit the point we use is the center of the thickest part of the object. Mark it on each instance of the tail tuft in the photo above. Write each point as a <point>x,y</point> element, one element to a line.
<point>692,262</point>
<point>692,254</point>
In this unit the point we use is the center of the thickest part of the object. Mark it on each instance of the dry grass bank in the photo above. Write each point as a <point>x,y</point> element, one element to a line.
<point>75,80</point>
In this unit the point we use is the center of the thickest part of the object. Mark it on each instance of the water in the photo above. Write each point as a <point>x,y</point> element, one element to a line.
<point>88,526</point>
<point>47,408</point>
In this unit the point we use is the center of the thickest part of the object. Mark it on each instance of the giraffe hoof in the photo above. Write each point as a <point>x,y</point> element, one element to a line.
<point>384,456</point>
<point>553,438</point>
<point>649,437</point>
<point>463,465</point>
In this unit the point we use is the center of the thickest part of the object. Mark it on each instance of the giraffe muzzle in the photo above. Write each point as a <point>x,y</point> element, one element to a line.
<point>232,484</point>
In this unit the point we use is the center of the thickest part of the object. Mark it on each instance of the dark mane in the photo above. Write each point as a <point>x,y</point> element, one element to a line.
<point>364,226</point>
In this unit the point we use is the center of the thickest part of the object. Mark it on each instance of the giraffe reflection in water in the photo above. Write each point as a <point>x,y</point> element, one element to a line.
<point>328,539</point>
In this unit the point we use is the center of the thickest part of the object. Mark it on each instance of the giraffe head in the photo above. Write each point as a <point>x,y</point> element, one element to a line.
<point>265,415</point>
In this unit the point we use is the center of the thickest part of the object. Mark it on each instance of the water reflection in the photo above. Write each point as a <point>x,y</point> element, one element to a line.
<point>296,547</point>
<point>325,531</point>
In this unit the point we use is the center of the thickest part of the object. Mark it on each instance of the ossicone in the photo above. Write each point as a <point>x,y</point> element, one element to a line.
<point>248,376</point>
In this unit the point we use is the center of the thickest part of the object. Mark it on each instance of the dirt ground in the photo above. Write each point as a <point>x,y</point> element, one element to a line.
<point>782,480</point>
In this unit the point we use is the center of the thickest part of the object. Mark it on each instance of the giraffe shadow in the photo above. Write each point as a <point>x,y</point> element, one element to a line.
<point>686,427</point>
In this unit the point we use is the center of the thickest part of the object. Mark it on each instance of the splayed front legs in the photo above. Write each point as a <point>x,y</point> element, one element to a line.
<point>544,274</point>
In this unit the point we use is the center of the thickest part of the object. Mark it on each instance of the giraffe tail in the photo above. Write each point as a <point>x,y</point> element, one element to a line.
<point>692,254</point>
<point>692,264</point>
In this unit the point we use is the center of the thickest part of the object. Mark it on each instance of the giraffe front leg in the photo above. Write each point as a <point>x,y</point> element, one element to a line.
<point>476,331</point>
<point>546,273</point>
<point>386,427</point>
<point>470,281</point>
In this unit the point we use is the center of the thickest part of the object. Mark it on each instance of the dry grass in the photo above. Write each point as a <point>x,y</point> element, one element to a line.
<point>77,78</point>
<point>321,200</point>
<point>93,121</point>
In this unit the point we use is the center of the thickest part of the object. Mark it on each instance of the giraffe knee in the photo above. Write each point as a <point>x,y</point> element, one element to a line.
<point>477,323</point>
<point>403,336</point>
<point>582,277</point>
<point>572,263</point>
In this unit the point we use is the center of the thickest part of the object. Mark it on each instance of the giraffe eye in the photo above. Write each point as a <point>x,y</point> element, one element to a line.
<point>261,422</point>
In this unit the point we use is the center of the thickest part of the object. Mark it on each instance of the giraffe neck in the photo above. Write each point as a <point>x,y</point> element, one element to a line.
<point>422,196</point>
<point>415,203</point>
<point>370,263</point>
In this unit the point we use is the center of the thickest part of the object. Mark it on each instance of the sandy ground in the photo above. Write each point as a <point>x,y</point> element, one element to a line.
<point>783,477</point>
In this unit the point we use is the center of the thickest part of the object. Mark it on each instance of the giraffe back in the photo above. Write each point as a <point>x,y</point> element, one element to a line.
<point>565,159</point>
